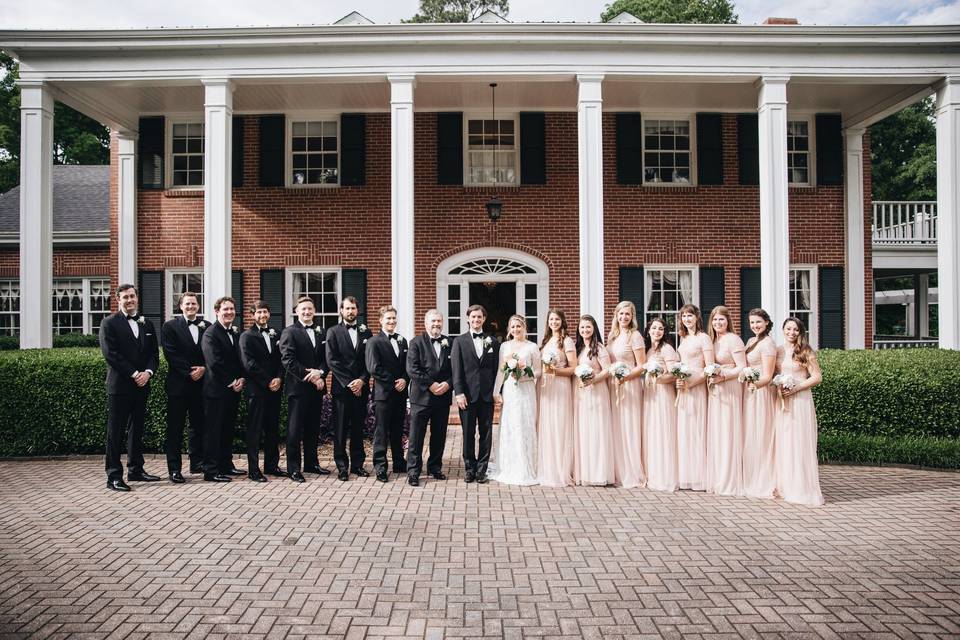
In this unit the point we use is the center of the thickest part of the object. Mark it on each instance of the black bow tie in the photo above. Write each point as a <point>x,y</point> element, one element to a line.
<point>436,340</point>
<point>477,335</point>
<point>308,327</point>
<point>264,329</point>
<point>393,336</point>
<point>195,322</point>
<point>351,326</point>
<point>134,318</point>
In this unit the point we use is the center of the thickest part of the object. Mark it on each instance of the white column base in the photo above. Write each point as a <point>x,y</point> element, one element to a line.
<point>217,192</point>
<point>856,288</point>
<point>401,203</point>
<point>590,155</point>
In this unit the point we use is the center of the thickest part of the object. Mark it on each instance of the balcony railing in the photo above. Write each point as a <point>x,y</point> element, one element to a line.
<point>904,343</point>
<point>904,223</point>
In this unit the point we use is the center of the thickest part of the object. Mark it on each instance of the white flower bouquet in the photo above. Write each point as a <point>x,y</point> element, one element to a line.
<point>583,372</point>
<point>651,370</point>
<point>680,371</point>
<point>550,360</point>
<point>712,371</point>
<point>781,382</point>
<point>749,375</point>
<point>620,371</point>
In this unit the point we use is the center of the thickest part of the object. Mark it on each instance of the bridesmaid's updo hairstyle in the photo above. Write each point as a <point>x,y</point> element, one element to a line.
<point>595,341</point>
<point>760,313</point>
<point>548,332</point>
<point>615,327</point>
<point>719,310</point>
<point>802,351</point>
<point>518,318</point>
<point>682,328</point>
<point>667,339</point>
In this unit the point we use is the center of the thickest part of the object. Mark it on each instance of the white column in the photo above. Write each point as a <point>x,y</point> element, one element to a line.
<point>923,301</point>
<point>217,189</point>
<point>590,154</point>
<point>127,207</point>
<point>36,215</point>
<point>856,288</point>
<point>774,213</point>
<point>948,212</point>
<point>401,202</point>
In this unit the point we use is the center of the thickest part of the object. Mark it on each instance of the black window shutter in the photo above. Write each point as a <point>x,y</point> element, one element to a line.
<point>629,148</point>
<point>533,148</point>
<point>237,150</point>
<point>831,308</point>
<point>355,284</point>
<point>271,292</point>
<point>631,289</point>
<point>749,298</point>
<point>272,162</point>
<point>748,147</point>
<point>711,289</point>
<point>236,292</point>
<point>150,153</point>
<point>450,148</point>
<point>829,149</point>
<point>151,296</point>
<point>353,149</point>
<point>709,148</point>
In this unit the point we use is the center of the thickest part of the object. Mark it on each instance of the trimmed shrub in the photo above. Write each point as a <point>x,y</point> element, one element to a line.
<point>12,343</point>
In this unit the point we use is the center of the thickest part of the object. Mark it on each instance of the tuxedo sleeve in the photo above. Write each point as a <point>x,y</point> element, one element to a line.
<point>288,355</point>
<point>335,361</point>
<point>416,367</point>
<point>109,346</point>
<point>177,361</point>
<point>153,349</point>
<point>251,365</point>
<point>375,366</point>
<point>456,366</point>
<point>213,357</point>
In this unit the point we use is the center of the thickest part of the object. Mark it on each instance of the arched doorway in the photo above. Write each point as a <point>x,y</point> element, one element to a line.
<point>504,281</point>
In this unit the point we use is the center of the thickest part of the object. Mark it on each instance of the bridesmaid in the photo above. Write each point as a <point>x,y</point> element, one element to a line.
<point>725,409</point>
<point>798,476</point>
<point>626,345</point>
<point>594,461</point>
<point>759,480</point>
<point>555,422</point>
<point>696,350</point>
<point>660,413</point>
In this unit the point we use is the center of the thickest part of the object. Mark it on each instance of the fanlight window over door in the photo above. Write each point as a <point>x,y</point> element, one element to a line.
<point>492,266</point>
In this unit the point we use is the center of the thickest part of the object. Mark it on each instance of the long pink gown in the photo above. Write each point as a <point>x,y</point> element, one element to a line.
<point>555,421</point>
<point>595,441</point>
<point>660,426</point>
<point>795,439</point>
<point>692,417</point>
<point>759,480</point>
<point>725,423</point>
<point>628,412</point>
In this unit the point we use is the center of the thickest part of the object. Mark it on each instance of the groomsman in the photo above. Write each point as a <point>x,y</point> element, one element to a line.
<point>222,384</point>
<point>260,353</point>
<point>346,344</point>
<point>475,358</point>
<point>180,339</point>
<point>129,345</point>
<point>386,356</point>
<point>428,365</point>
<point>303,354</point>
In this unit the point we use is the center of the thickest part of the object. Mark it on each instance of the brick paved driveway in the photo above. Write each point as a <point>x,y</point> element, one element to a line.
<point>328,559</point>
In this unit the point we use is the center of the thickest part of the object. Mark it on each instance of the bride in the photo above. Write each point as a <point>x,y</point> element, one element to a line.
<point>517,374</point>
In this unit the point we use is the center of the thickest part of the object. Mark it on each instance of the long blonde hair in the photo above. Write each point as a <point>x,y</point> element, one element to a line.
<point>615,326</point>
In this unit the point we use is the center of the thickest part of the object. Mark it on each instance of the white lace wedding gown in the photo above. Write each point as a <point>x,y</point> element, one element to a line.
<point>516,455</point>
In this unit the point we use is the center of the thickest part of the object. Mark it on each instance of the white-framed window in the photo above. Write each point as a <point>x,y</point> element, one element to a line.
<point>179,281</point>
<point>320,283</point>
<point>803,298</point>
<point>668,150</point>
<point>313,151</point>
<point>666,289</point>
<point>491,150</point>
<point>185,153</point>
<point>79,304</point>
<point>799,151</point>
<point>9,307</point>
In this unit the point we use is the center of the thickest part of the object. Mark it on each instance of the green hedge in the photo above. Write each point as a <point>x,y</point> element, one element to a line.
<point>874,407</point>
<point>12,343</point>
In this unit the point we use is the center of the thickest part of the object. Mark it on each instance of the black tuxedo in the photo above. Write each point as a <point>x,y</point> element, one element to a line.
<point>221,355</point>
<point>386,366</point>
<point>305,402</point>
<point>184,396</point>
<point>425,368</point>
<point>348,363</point>
<point>126,354</point>
<point>263,405</point>
<point>474,378</point>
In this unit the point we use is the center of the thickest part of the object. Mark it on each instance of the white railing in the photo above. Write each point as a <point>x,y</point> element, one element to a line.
<point>904,343</point>
<point>904,223</point>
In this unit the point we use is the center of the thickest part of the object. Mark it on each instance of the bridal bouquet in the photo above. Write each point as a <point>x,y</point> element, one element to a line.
<point>783,381</point>
<point>651,370</point>
<point>550,360</point>
<point>583,372</point>
<point>517,368</point>
<point>749,375</point>
<point>680,371</point>
<point>712,371</point>
<point>619,370</point>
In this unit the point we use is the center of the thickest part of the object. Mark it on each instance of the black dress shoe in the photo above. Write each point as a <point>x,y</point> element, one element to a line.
<point>382,476</point>
<point>470,477</point>
<point>118,485</point>
<point>176,477</point>
<point>438,476</point>
<point>360,471</point>
<point>257,477</point>
<point>219,477</point>
<point>296,476</point>
<point>482,479</point>
<point>276,471</point>
<point>317,469</point>
<point>143,476</point>
<point>413,482</point>
<point>343,476</point>
<point>233,471</point>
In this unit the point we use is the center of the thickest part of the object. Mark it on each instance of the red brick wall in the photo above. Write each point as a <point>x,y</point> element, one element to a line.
<point>67,261</point>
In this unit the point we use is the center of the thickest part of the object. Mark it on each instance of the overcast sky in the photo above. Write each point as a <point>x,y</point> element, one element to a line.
<point>110,14</point>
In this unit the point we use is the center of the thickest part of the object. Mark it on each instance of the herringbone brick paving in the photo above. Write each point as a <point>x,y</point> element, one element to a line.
<point>448,560</point>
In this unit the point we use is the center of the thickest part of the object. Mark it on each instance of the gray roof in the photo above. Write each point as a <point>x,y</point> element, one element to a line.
<point>81,201</point>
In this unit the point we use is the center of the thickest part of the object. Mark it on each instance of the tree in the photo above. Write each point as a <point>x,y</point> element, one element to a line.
<point>77,139</point>
<point>457,10</point>
<point>674,11</point>
<point>903,153</point>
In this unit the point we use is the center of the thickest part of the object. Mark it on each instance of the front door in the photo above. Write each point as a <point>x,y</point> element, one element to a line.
<point>500,301</point>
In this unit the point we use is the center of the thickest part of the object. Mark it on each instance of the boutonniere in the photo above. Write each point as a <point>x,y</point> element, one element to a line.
<point>272,332</point>
<point>364,341</point>
<point>318,330</point>
<point>444,343</point>
<point>141,320</point>
<point>203,324</point>
<point>400,340</point>
<point>363,328</point>
<point>234,330</point>
<point>487,341</point>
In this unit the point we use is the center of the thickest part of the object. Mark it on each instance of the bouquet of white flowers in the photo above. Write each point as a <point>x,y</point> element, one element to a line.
<point>583,372</point>
<point>517,368</point>
<point>652,369</point>
<point>712,371</point>
<point>749,375</point>
<point>619,371</point>
<point>680,371</point>
<point>550,360</point>
<point>783,381</point>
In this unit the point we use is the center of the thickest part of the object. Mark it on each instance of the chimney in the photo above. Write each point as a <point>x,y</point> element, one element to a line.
<point>780,21</point>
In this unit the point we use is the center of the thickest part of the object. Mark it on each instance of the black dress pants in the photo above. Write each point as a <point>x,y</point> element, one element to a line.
<point>125,414</point>
<point>178,408</point>
<point>389,415</point>
<point>263,420</point>
<point>437,416</point>
<point>221,414</point>
<point>350,413</point>
<point>303,426</point>
<point>477,417</point>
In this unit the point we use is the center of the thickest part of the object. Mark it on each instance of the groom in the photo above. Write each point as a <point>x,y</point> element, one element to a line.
<point>474,360</point>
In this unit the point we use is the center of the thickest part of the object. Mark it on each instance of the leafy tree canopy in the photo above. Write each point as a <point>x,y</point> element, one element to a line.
<point>903,152</point>
<point>457,10</point>
<point>674,11</point>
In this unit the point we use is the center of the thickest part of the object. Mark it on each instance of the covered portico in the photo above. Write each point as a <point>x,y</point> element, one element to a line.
<point>861,73</point>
